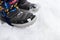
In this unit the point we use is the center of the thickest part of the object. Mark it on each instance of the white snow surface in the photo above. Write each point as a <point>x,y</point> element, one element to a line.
<point>46,27</point>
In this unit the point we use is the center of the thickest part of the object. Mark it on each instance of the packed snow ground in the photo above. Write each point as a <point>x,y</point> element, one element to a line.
<point>47,26</point>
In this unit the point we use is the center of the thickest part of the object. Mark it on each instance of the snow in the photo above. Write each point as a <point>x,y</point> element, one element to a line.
<point>46,27</point>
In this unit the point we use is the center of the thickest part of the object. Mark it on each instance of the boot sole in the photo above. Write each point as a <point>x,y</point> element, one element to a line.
<point>26,24</point>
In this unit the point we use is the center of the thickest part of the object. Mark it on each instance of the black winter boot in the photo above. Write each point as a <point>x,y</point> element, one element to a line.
<point>24,4</point>
<point>20,19</point>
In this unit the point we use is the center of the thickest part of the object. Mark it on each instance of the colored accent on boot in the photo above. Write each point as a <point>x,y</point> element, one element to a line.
<point>13,10</point>
<point>13,2</point>
<point>7,19</point>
